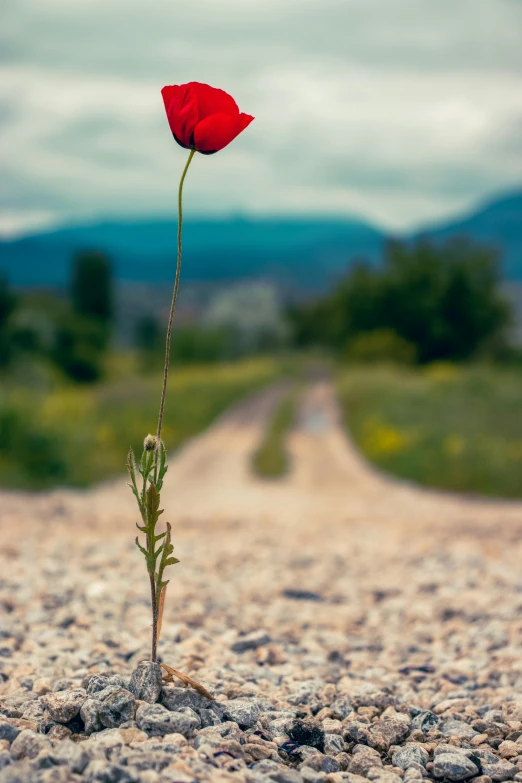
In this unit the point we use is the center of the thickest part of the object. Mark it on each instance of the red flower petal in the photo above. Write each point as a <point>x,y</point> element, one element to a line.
<point>181,105</point>
<point>218,130</point>
<point>213,101</point>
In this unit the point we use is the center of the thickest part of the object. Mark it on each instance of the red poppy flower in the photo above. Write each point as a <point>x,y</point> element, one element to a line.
<point>203,118</point>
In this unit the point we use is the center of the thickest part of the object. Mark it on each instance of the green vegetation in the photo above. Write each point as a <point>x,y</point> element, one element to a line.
<point>74,435</point>
<point>271,459</point>
<point>441,302</point>
<point>452,427</point>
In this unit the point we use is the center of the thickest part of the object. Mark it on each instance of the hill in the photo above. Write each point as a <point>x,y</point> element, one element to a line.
<point>498,223</point>
<point>302,253</point>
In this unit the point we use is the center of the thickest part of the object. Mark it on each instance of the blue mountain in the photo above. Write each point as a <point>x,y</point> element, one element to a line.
<point>295,252</point>
<point>497,224</point>
<point>303,252</point>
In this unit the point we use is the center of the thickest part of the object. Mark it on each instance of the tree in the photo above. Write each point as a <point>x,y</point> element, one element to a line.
<point>8,303</point>
<point>442,299</point>
<point>92,287</point>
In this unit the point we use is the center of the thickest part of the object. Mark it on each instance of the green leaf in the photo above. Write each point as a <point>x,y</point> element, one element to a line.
<point>152,505</point>
<point>144,551</point>
<point>172,561</point>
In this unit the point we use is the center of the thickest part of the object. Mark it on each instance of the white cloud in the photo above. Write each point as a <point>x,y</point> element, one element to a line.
<point>399,110</point>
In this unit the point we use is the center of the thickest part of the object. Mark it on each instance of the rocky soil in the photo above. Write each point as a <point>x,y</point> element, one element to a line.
<point>349,628</point>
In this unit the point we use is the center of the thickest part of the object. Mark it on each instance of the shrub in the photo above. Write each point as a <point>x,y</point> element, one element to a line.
<point>380,345</point>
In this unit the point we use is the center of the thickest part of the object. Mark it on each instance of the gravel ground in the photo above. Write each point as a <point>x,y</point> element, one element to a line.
<point>350,628</point>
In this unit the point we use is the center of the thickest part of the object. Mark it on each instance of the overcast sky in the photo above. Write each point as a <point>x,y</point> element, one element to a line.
<point>399,111</point>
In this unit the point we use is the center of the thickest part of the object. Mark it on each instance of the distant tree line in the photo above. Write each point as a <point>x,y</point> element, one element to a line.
<point>73,332</point>
<point>425,302</point>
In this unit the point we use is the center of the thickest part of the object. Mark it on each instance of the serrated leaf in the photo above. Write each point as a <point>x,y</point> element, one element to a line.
<point>144,551</point>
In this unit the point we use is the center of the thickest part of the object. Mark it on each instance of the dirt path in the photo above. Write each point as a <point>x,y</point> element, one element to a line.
<point>210,478</point>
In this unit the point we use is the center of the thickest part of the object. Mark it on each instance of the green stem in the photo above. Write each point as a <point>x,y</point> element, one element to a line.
<point>174,296</point>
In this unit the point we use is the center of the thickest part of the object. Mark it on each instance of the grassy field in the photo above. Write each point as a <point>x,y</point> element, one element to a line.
<point>77,435</point>
<point>451,427</point>
<point>271,459</point>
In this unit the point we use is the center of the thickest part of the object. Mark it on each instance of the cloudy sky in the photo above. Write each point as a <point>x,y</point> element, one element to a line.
<point>399,111</point>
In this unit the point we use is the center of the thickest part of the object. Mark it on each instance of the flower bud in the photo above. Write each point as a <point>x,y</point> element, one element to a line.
<point>150,443</point>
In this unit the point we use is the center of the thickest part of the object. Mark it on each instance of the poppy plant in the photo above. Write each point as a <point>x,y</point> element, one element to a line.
<point>202,119</point>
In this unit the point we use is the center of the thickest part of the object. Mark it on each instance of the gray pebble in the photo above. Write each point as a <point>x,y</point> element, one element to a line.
<point>244,712</point>
<point>457,728</point>
<point>73,755</point>
<point>100,681</point>
<point>410,753</point>
<point>63,706</point>
<point>251,641</point>
<point>425,721</point>
<point>146,682</point>
<point>8,731</point>
<point>117,708</point>
<point>28,745</point>
<point>173,698</point>
<point>454,766</point>
<point>156,720</point>
<point>90,714</point>
<point>333,744</point>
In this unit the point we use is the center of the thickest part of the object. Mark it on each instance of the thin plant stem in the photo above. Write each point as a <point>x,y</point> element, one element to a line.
<point>154,618</point>
<point>174,296</point>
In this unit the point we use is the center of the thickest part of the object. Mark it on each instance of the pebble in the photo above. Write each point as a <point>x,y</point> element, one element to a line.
<point>242,711</point>
<point>146,682</point>
<point>454,766</point>
<point>251,641</point>
<point>117,708</point>
<point>64,705</point>
<point>157,720</point>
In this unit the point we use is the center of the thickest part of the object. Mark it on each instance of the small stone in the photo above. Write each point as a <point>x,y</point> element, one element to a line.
<point>28,745</point>
<point>251,641</point>
<point>117,708</point>
<point>361,762</point>
<point>386,732</point>
<point>209,718</point>
<point>72,755</point>
<point>5,759</point>
<point>308,732</point>
<point>98,682</point>
<point>8,731</point>
<point>146,682</point>
<point>41,687</point>
<point>512,710</point>
<point>63,706</point>
<point>58,732</point>
<point>173,698</point>
<point>156,720</point>
<point>342,706</point>
<point>90,714</point>
<point>502,770</point>
<point>508,749</point>
<point>242,711</point>
<point>133,735</point>
<point>333,744</point>
<point>425,721</point>
<point>457,728</point>
<point>454,766</point>
<point>410,753</point>
<point>100,771</point>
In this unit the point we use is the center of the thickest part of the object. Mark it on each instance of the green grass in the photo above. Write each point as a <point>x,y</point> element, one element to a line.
<point>451,427</point>
<point>75,436</point>
<point>271,460</point>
